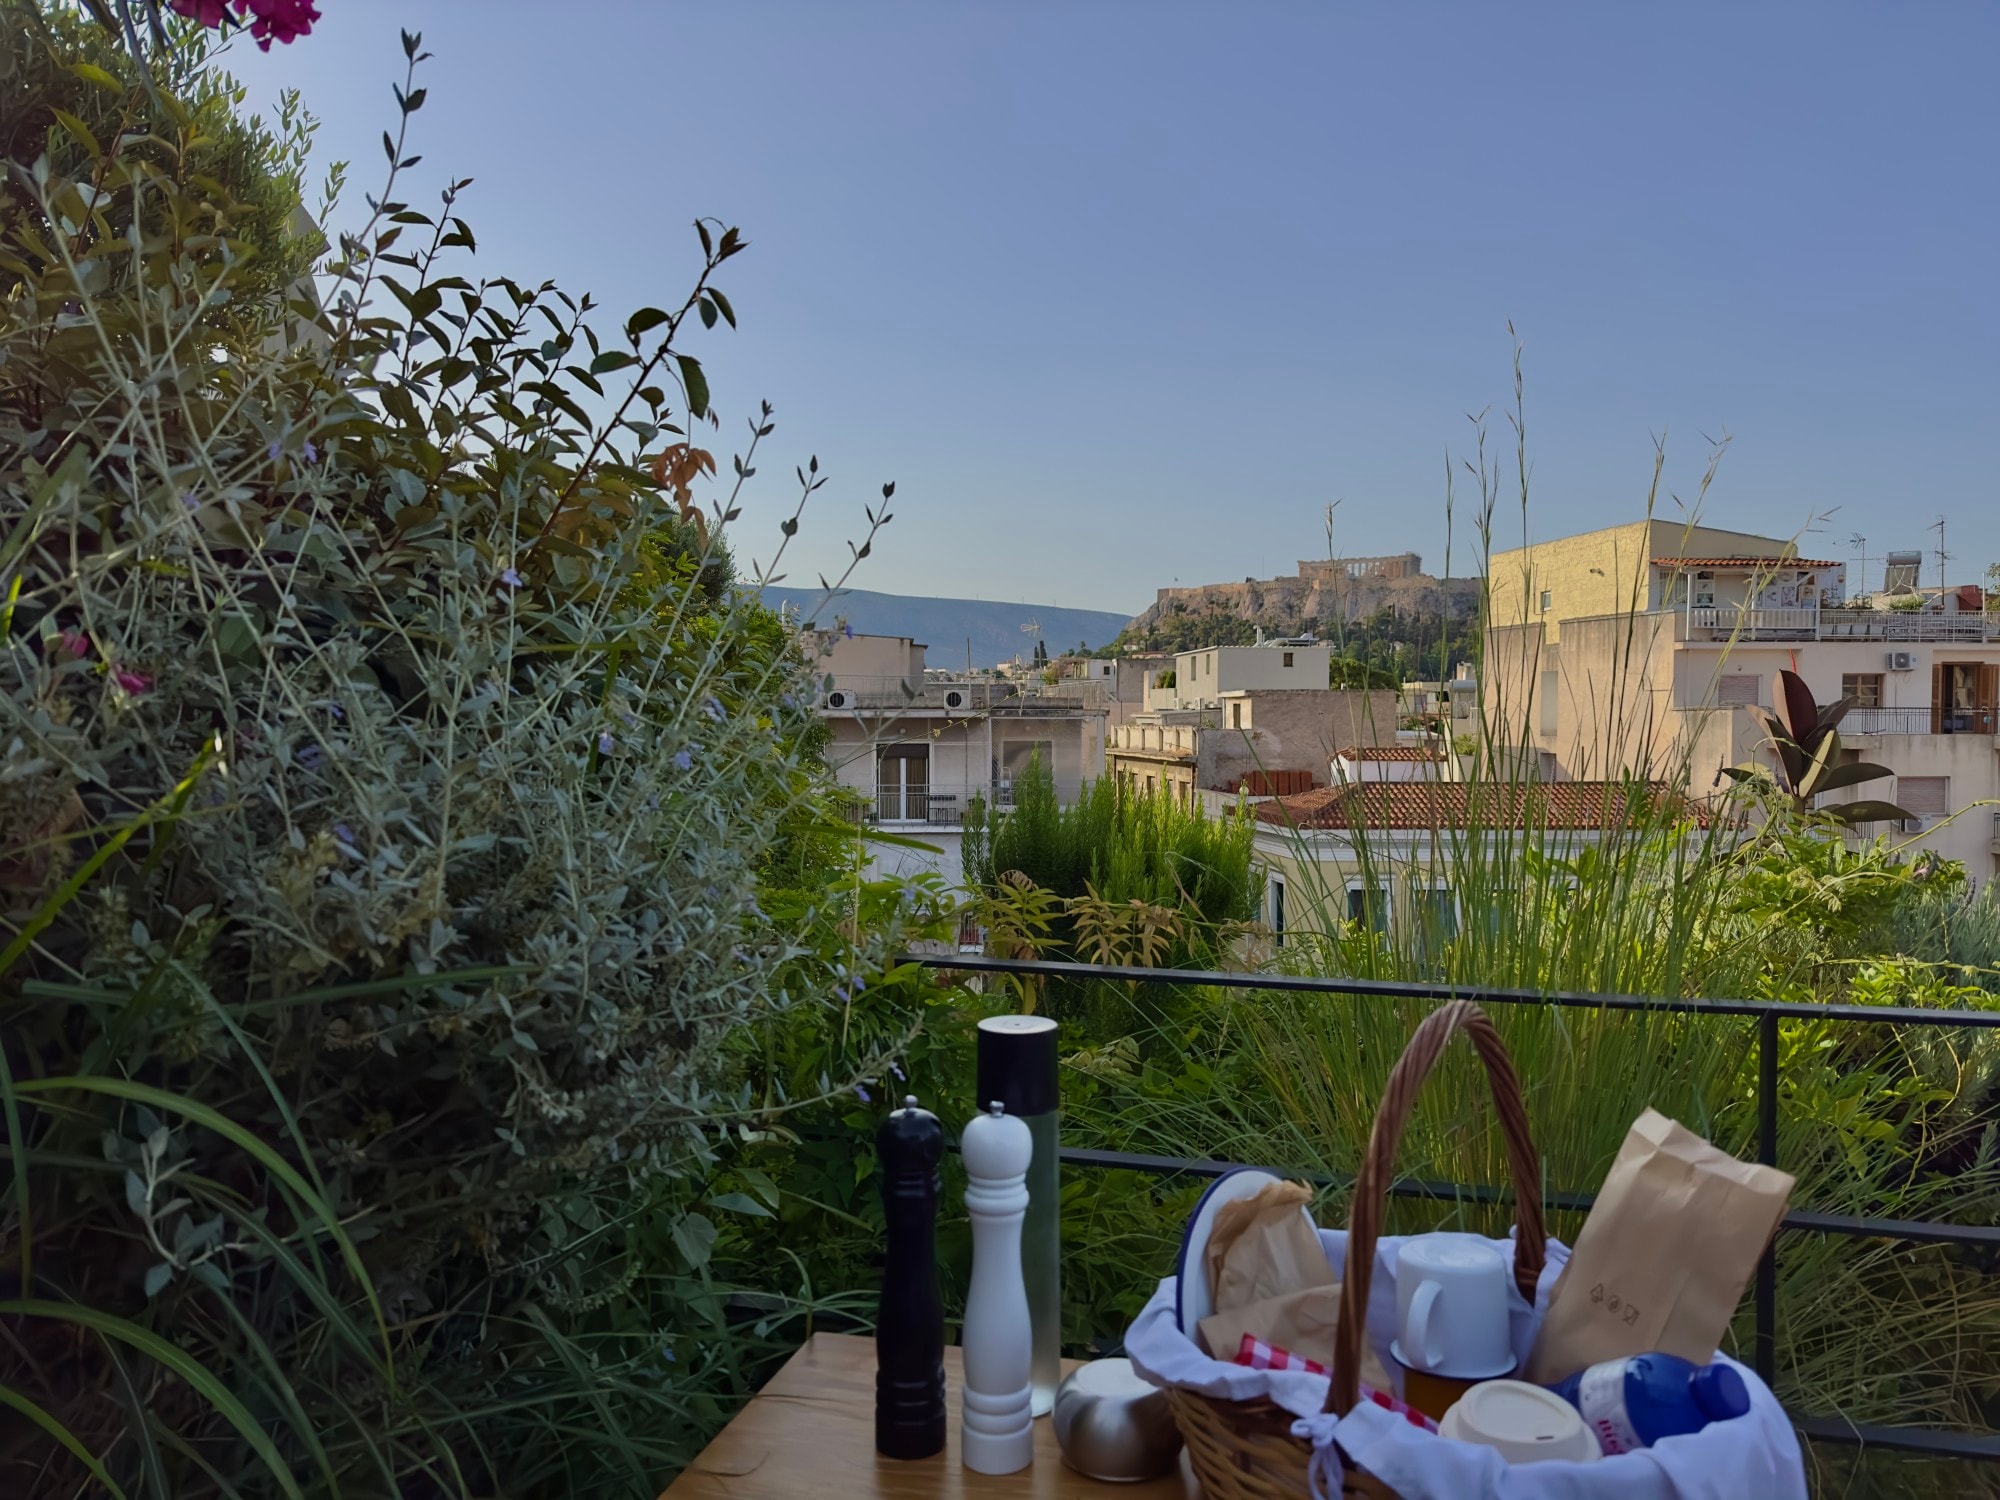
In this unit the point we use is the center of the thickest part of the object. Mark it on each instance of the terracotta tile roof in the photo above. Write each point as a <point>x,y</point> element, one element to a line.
<point>1454,804</point>
<point>1391,752</point>
<point>1743,562</point>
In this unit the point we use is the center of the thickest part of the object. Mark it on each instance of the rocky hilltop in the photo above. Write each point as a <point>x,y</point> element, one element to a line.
<point>1321,595</point>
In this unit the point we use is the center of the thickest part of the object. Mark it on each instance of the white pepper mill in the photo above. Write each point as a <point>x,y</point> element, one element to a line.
<point>997,1433</point>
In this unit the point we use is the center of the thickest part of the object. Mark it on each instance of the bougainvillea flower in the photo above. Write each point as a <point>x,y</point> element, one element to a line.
<point>278,20</point>
<point>201,12</point>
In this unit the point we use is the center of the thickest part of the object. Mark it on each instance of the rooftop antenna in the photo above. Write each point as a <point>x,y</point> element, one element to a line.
<point>1860,544</point>
<point>1329,526</point>
<point>1942,555</point>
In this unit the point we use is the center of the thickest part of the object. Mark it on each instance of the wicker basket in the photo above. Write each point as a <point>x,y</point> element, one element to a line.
<point>1244,1450</point>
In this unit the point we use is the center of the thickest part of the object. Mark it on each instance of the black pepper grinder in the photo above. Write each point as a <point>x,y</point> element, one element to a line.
<point>909,1324</point>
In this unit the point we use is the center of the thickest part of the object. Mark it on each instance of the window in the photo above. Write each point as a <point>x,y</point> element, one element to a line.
<point>1704,590</point>
<point>1288,658</point>
<point>1278,909</point>
<point>1235,716</point>
<point>902,782</point>
<point>1965,697</point>
<point>1368,905</point>
<point>1436,918</point>
<point>1924,796</point>
<point>1551,683</point>
<point>1738,690</point>
<point>1547,600</point>
<point>1865,688</point>
<point>1016,755</point>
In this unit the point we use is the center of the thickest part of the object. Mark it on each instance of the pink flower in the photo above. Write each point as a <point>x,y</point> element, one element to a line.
<point>133,682</point>
<point>278,20</point>
<point>73,643</point>
<point>269,20</point>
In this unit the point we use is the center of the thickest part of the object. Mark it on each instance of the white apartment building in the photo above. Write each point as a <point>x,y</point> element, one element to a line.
<point>916,746</point>
<point>1637,648</point>
<point>1201,678</point>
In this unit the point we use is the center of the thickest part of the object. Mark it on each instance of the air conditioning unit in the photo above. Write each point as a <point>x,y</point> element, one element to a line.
<point>954,699</point>
<point>1902,661</point>
<point>1915,825</point>
<point>836,699</point>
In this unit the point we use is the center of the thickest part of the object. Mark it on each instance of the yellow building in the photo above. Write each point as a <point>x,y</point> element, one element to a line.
<point>1637,650</point>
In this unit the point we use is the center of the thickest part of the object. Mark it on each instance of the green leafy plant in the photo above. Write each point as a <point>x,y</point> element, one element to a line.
<point>396,776</point>
<point>1804,737</point>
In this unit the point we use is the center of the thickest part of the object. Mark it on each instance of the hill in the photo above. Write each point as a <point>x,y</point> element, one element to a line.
<point>945,625</point>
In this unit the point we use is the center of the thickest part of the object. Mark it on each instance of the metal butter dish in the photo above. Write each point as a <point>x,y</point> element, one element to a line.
<point>1112,1425</point>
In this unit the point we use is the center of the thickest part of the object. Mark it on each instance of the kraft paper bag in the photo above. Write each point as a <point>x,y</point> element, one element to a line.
<point>1302,1323</point>
<point>1661,1264</point>
<point>1263,1247</point>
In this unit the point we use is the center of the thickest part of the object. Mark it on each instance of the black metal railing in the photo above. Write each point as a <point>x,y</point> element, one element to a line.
<point>1937,1442</point>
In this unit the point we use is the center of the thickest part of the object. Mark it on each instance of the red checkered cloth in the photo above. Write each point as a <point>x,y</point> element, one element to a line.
<point>1259,1355</point>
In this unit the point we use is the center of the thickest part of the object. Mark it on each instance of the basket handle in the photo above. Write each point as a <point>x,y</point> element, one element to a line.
<point>1371,1184</point>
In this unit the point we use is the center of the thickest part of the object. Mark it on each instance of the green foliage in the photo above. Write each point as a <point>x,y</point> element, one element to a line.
<point>1351,673</point>
<point>68,89</point>
<point>1120,844</point>
<point>396,785</point>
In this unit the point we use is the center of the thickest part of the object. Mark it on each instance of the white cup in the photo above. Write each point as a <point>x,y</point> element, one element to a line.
<point>1525,1423</point>
<point>1451,1308</point>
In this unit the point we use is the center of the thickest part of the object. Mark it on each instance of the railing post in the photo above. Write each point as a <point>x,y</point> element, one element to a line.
<point>1766,1352</point>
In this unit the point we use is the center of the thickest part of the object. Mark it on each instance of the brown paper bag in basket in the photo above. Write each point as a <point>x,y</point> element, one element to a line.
<point>1661,1264</point>
<point>1264,1246</point>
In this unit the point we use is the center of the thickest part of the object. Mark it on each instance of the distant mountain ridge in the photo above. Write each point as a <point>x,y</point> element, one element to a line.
<point>945,625</point>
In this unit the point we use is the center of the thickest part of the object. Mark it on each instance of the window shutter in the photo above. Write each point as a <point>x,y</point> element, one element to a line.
<point>1736,691</point>
<point>1924,796</point>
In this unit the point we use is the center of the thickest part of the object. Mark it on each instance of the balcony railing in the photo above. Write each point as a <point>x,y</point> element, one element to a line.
<point>1921,721</point>
<point>1980,1240</point>
<point>1728,622</point>
<point>1886,721</point>
<point>945,808</point>
<point>896,804</point>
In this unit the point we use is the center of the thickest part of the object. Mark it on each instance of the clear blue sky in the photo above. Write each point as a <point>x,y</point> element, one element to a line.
<point>1121,294</point>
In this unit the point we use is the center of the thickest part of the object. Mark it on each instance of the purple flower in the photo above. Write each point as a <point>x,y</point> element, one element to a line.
<point>311,453</point>
<point>133,682</point>
<point>342,832</point>
<point>73,643</point>
<point>845,629</point>
<point>713,709</point>
<point>510,578</point>
<point>605,742</point>
<point>273,452</point>
<point>190,501</point>
<point>312,757</point>
<point>336,710</point>
<point>897,1071</point>
<point>683,761</point>
<point>788,700</point>
<point>858,1089</point>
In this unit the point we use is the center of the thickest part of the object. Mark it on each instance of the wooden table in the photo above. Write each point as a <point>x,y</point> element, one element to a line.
<point>811,1433</point>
